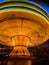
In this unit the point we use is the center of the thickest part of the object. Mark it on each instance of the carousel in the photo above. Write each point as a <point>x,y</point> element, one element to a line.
<point>23,24</point>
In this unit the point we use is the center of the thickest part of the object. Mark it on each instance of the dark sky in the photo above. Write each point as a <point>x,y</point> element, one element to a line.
<point>43,1</point>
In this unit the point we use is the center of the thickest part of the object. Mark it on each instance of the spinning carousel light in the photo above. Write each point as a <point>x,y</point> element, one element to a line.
<point>23,24</point>
<point>24,21</point>
<point>23,18</point>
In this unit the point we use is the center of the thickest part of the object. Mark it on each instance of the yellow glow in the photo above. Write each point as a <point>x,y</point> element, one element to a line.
<point>22,28</point>
<point>23,23</point>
